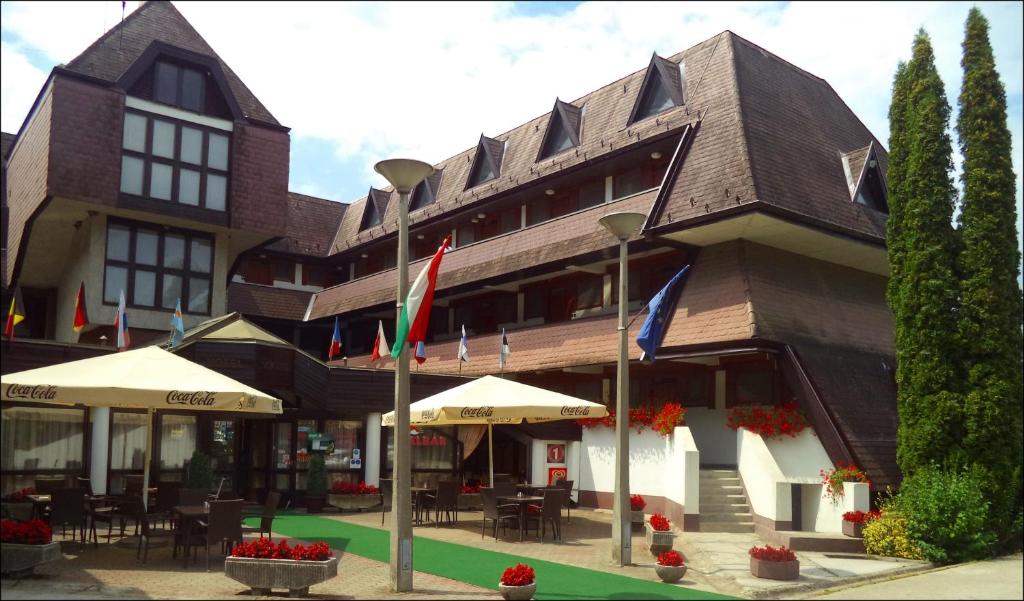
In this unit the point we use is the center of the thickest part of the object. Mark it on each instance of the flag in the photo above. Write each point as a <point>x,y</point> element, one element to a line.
<point>177,326</point>
<point>81,315</point>
<point>124,339</point>
<point>15,315</point>
<point>335,348</point>
<point>658,311</point>
<point>380,345</point>
<point>412,325</point>
<point>421,352</point>
<point>464,346</point>
<point>504,350</point>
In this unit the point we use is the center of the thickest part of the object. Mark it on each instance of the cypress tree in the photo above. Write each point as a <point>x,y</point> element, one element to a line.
<point>990,323</point>
<point>925,288</point>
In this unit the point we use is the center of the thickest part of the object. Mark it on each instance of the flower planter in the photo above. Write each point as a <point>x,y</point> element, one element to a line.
<point>637,519</point>
<point>658,541</point>
<point>853,529</point>
<point>314,504</point>
<point>262,575</point>
<point>775,570</point>
<point>353,502</point>
<point>22,559</point>
<point>517,593</point>
<point>670,573</point>
<point>470,500</point>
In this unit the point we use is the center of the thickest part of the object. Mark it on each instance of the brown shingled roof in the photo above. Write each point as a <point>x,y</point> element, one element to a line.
<point>311,224</point>
<point>109,57</point>
<point>267,301</point>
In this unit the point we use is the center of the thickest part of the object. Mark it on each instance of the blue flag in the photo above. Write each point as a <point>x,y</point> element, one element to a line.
<point>177,326</point>
<point>658,311</point>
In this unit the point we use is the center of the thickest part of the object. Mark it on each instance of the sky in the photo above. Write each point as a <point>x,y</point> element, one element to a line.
<point>360,82</point>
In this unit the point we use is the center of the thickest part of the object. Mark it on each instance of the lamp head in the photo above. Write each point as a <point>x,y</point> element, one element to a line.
<point>623,225</point>
<point>403,174</point>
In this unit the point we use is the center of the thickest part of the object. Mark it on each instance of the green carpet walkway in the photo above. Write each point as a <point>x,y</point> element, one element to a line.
<point>480,567</point>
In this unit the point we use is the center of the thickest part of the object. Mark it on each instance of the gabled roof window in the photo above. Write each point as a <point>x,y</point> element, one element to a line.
<point>487,163</point>
<point>178,86</point>
<point>865,178</point>
<point>662,89</point>
<point>376,207</point>
<point>563,130</point>
<point>425,192</point>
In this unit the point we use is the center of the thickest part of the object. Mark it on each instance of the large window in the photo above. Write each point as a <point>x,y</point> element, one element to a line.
<point>559,299</point>
<point>177,440</point>
<point>38,440</point>
<point>156,267</point>
<point>484,314</point>
<point>176,161</point>
<point>179,86</point>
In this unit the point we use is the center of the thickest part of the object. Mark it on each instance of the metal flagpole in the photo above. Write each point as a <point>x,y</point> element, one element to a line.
<point>148,459</point>
<point>490,450</point>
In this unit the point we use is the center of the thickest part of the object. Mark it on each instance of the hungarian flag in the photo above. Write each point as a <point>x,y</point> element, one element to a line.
<point>504,350</point>
<point>421,352</point>
<point>124,340</point>
<point>335,348</point>
<point>15,315</point>
<point>81,315</point>
<point>412,325</point>
<point>380,345</point>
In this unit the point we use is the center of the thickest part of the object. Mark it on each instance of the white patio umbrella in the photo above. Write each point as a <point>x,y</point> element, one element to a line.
<point>146,378</point>
<point>489,400</point>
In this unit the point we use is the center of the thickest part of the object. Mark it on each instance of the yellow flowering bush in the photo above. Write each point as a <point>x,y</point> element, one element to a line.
<point>887,535</point>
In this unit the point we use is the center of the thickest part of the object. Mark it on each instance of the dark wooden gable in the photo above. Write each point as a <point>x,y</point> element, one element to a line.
<point>563,131</point>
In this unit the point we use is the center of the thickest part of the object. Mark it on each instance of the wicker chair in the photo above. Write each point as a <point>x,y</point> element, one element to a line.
<point>267,518</point>
<point>147,532</point>
<point>224,525</point>
<point>496,513</point>
<point>67,508</point>
<point>550,511</point>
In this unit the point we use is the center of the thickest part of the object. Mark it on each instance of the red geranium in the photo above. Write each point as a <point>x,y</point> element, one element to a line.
<point>660,523</point>
<point>264,548</point>
<point>860,517</point>
<point>342,487</point>
<point>22,495</point>
<point>637,503</point>
<point>670,558</point>
<point>521,575</point>
<point>785,419</point>
<point>470,489</point>
<point>32,532</point>
<point>833,479</point>
<point>770,553</point>
<point>662,420</point>
<point>668,418</point>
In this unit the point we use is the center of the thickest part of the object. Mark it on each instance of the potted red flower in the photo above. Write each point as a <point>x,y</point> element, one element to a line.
<point>834,478</point>
<point>636,506</point>
<point>776,563</point>
<point>853,522</point>
<point>353,496</point>
<point>24,545</point>
<point>670,566</point>
<point>262,565</point>
<point>469,497</point>
<point>658,533</point>
<point>518,583</point>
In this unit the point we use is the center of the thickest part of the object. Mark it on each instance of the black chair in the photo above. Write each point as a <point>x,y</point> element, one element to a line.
<point>85,483</point>
<point>224,525</point>
<point>549,511</point>
<point>446,500</point>
<point>67,508</point>
<point>267,519</point>
<point>132,485</point>
<point>386,496</point>
<point>119,510</point>
<point>148,532</point>
<point>167,496</point>
<point>191,496</point>
<point>567,485</point>
<point>496,513</point>
<point>504,488</point>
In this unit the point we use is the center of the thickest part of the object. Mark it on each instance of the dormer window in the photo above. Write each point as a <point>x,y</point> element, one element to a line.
<point>376,207</point>
<point>178,86</point>
<point>487,163</point>
<point>563,130</point>
<point>662,89</point>
<point>865,178</point>
<point>425,192</point>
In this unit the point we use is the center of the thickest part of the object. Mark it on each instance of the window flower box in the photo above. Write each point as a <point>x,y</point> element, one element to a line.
<point>261,565</point>
<point>854,521</point>
<point>774,563</point>
<point>658,534</point>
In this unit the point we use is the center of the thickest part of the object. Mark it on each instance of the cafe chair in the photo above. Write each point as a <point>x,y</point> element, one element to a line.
<point>223,526</point>
<point>148,532</point>
<point>267,519</point>
<point>496,513</point>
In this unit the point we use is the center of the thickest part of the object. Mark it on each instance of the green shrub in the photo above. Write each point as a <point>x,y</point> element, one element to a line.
<point>316,486</point>
<point>887,535</point>
<point>947,514</point>
<point>200,474</point>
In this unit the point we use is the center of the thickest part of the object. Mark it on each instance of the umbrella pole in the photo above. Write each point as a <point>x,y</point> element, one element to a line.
<point>490,450</point>
<point>148,459</point>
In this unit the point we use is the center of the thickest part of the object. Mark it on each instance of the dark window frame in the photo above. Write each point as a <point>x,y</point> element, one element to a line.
<point>179,86</point>
<point>185,273</point>
<point>733,370</point>
<point>177,164</point>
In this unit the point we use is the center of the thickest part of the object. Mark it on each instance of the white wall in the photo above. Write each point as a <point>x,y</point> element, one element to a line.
<point>767,491</point>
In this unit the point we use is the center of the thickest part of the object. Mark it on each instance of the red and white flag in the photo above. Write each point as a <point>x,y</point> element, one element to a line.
<point>124,339</point>
<point>380,345</point>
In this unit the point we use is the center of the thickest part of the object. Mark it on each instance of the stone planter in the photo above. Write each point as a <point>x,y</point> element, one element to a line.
<point>658,542</point>
<point>517,593</point>
<point>470,501</point>
<point>262,575</point>
<point>637,519</point>
<point>670,573</point>
<point>353,502</point>
<point>314,504</point>
<point>853,529</point>
<point>20,560</point>
<point>775,570</point>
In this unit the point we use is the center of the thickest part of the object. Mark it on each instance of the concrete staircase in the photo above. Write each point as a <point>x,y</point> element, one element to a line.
<point>723,506</point>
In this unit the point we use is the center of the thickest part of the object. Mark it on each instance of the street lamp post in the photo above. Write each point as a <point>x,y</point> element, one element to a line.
<point>404,175</point>
<point>623,226</point>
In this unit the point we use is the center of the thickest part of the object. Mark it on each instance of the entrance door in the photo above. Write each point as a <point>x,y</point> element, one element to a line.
<point>252,469</point>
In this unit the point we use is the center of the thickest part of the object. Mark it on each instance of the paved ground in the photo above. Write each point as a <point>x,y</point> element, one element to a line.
<point>1001,578</point>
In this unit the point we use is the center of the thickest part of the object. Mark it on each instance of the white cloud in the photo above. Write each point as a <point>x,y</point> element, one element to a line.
<point>19,86</point>
<point>425,79</point>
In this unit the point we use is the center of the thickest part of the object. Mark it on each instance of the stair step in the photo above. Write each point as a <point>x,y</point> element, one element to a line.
<point>711,526</point>
<point>724,508</point>
<point>726,516</point>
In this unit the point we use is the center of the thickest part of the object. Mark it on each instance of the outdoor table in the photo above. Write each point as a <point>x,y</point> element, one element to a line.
<point>188,515</point>
<point>523,501</point>
<point>418,491</point>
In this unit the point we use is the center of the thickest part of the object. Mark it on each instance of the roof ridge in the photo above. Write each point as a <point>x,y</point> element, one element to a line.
<point>771,54</point>
<point>317,198</point>
<point>120,25</point>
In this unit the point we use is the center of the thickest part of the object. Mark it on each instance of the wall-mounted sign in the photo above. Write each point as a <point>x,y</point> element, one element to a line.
<point>355,463</point>
<point>557,473</point>
<point>556,453</point>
